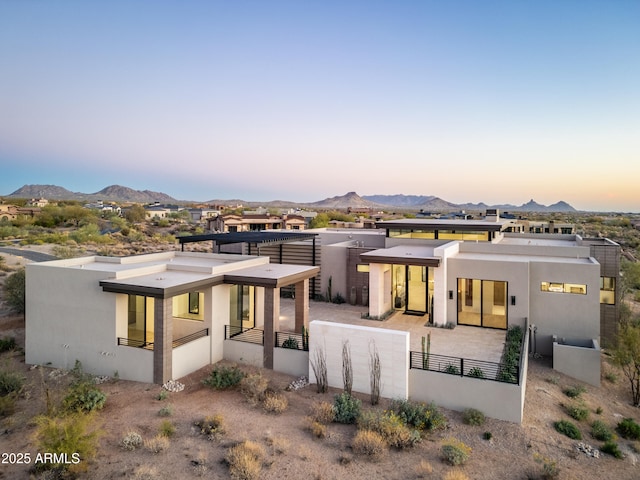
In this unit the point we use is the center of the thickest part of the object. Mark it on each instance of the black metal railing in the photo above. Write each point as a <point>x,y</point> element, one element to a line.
<point>464,367</point>
<point>190,338</point>
<point>295,341</point>
<point>130,342</point>
<point>241,334</point>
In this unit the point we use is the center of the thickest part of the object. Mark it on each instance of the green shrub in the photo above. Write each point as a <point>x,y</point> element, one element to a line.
<point>8,405</point>
<point>166,411</point>
<point>452,369</point>
<point>83,396</point>
<point>611,448</point>
<point>10,382</point>
<point>222,377</point>
<point>575,392</point>
<point>162,395</point>
<point>567,428</point>
<point>487,435</point>
<point>7,343</point>
<point>419,415</point>
<point>71,435</point>
<point>476,372</point>
<point>472,416</point>
<point>455,452</point>
<point>600,431</point>
<point>167,429</point>
<point>391,427</point>
<point>577,412</point>
<point>347,408</point>
<point>628,428</point>
<point>14,287</point>
<point>290,342</point>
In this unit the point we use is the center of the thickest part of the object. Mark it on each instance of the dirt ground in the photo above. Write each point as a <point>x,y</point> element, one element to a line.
<point>292,451</point>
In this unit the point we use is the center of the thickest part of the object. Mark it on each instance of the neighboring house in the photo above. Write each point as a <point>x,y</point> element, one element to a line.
<point>154,317</point>
<point>156,212</point>
<point>38,202</point>
<point>255,222</point>
<point>103,207</point>
<point>201,215</point>
<point>8,212</point>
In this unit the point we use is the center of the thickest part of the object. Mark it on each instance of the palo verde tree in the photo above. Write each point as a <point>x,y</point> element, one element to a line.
<point>14,288</point>
<point>626,354</point>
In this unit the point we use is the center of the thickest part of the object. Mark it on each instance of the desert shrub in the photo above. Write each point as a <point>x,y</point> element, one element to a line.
<point>347,408</point>
<point>476,372</point>
<point>279,445</point>
<point>549,467</point>
<point>628,428</point>
<point>254,387</point>
<point>455,452</point>
<point>167,429</point>
<point>157,444</point>
<point>600,431</point>
<point>14,288</point>
<point>162,395</point>
<point>391,427</point>
<point>599,411</point>
<point>567,428</point>
<point>611,448</point>
<point>419,415</point>
<point>472,416</point>
<point>611,377</point>
<point>166,411</point>
<point>577,412</point>
<point>275,403</point>
<point>222,377</point>
<point>575,392</point>
<point>317,429</point>
<point>8,405</point>
<point>487,435</point>
<point>245,460</point>
<point>83,396</point>
<point>131,441</point>
<point>290,342</point>
<point>455,475</point>
<point>72,435</point>
<point>211,426</point>
<point>10,382</point>
<point>7,343</point>
<point>369,443</point>
<point>323,412</point>
<point>423,469</point>
<point>451,369</point>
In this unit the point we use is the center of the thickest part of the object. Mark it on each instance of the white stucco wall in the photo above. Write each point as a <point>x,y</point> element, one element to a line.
<point>392,347</point>
<point>190,357</point>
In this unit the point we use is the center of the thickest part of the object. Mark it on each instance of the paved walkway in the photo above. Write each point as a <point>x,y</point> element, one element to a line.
<point>462,341</point>
<point>32,255</point>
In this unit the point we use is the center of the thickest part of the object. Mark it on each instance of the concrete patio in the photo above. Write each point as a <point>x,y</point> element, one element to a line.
<point>462,341</point>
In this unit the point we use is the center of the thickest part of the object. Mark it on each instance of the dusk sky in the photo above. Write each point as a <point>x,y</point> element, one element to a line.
<point>470,101</point>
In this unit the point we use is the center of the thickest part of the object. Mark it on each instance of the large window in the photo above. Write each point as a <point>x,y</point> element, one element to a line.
<point>556,287</point>
<point>608,290</point>
<point>140,318</point>
<point>482,303</point>
<point>189,306</point>
<point>242,313</point>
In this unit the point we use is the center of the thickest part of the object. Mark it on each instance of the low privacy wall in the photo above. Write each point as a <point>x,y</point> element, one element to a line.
<point>392,347</point>
<point>579,359</point>
<point>244,352</point>
<point>190,357</point>
<point>290,361</point>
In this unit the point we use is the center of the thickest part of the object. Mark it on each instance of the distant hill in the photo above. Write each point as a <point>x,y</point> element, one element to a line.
<point>349,200</point>
<point>113,193</point>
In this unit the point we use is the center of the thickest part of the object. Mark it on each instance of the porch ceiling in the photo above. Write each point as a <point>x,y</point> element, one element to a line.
<point>403,255</point>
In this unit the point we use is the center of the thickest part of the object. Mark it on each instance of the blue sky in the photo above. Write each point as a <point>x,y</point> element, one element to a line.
<point>494,101</point>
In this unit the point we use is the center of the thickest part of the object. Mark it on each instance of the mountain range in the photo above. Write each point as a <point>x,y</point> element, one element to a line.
<point>428,203</point>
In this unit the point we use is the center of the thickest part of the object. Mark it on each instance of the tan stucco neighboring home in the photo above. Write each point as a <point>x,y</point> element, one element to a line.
<point>154,317</point>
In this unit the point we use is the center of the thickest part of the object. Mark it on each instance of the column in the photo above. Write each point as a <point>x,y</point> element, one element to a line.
<point>271,323</point>
<point>302,305</point>
<point>162,340</point>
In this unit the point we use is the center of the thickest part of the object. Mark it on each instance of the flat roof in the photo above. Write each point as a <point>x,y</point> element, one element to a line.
<point>436,224</point>
<point>538,242</point>
<point>260,237</point>
<point>403,255</point>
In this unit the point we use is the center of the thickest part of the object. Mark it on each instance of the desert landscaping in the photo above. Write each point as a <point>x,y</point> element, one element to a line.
<point>144,431</point>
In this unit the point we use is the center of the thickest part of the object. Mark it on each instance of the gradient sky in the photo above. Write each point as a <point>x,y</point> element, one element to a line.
<point>493,101</point>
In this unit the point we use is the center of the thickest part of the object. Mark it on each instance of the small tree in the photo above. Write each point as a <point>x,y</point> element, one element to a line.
<point>15,289</point>
<point>626,354</point>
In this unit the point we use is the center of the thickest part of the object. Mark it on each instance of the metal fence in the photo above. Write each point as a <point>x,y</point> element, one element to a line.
<point>130,342</point>
<point>191,337</point>
<point>295,341</point>
<point>241,334</point>
<point>465,367</point>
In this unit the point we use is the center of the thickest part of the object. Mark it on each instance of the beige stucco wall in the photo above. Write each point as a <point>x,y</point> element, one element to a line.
<point>290,361</point>
<point>334,267</point>
<point>580,363</point>
<point>190,357</point>
<point>244,352</point>
<point>392,347</point>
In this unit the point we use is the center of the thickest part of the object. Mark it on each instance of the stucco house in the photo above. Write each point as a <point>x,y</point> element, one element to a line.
<point>154,317</point>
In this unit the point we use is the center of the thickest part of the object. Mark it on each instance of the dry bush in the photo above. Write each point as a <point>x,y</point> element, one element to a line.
<point>323,412</point>
<point>145,472</point>
<point>212,426</point>
<point>157,444</point>
<point>370,444</point>
<point>391,427</point>
<point>245,460</point>
<point>278,444</point>
<point>254,388</point>
<point>456,474</point>
<point>423,469</point>
<point>131,441</point>
<point>317,429</point>
<point>275,402</point>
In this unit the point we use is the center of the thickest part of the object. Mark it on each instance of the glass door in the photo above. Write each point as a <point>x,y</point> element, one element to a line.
<point>416,289</point>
